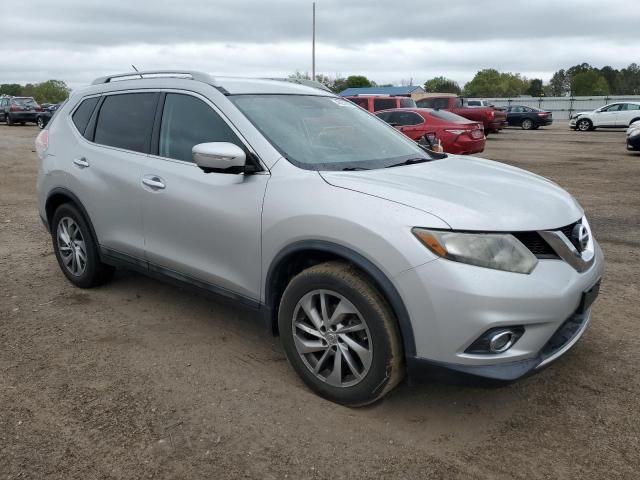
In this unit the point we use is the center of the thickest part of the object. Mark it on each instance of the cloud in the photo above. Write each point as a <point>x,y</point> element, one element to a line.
<point>77,41</point>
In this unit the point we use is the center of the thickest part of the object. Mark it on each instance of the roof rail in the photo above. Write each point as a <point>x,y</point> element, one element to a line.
<point>302,81</point>
<point>197,76</point>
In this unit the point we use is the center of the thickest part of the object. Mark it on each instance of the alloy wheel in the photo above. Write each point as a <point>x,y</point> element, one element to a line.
<point>71,246</point>
<point>527,124</point>
<point>583,125</point>
<point>332,338</point>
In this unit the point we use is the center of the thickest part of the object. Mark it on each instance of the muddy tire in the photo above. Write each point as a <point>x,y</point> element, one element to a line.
<point>340,335</point>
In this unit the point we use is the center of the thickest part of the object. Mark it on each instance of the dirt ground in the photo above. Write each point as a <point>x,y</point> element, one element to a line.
<point>139,379</point>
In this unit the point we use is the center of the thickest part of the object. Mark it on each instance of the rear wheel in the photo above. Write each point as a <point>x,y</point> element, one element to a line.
<point>8,119</point>
<point>40,123</point>
<point>527,124</point>
<point>76,250</point>
<point>340,335</point>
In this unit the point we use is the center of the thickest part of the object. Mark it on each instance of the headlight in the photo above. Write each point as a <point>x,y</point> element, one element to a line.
<point>634,133</point>
<point>500,251</point>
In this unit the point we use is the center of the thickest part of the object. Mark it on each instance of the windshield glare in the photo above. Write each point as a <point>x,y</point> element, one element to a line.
<point>326,133</point>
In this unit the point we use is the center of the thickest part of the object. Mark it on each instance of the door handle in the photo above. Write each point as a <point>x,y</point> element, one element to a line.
<point>154,182</point>
<point>81,162</point>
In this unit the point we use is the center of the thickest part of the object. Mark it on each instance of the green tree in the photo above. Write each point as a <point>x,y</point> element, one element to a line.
<point>51,91</point>
<point>535,88</point>
<point>492,83</point>
<point>559,85</point>
<point>12,89</point>
<point>358,81</point>
<point>589,82</point>
<point>442,85</point>
<point>629,80</point>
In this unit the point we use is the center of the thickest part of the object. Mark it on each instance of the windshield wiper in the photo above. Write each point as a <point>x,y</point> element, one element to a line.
<point>411,161</point>
<point>351,169</point>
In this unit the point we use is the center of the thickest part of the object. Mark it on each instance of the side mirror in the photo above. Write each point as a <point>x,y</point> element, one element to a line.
<point>219,157</point>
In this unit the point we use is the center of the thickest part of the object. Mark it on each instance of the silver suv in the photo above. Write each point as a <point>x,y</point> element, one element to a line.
<point>369,255</point>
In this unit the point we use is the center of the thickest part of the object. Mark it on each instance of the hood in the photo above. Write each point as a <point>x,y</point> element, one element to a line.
<point>468,193</point>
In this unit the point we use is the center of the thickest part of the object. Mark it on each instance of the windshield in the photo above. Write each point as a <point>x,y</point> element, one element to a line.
<point>326,133</point>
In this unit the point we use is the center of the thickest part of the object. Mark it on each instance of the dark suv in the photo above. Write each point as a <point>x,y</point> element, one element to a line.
<point>19,110</point>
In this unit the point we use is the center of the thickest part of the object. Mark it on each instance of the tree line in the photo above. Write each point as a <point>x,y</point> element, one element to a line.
<point>579,80</point>
<point>51,91</point>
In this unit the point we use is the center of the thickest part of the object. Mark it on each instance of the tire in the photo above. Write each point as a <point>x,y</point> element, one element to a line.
<point>584,125</point>
<point>23,123</point>
<point>8,119</point>
<point>40,123</point>
<point>362,378</point>
<point>527,124</point>
<point>69,248</point>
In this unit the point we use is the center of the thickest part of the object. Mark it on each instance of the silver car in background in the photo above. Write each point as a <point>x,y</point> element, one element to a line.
<point>369,255</point>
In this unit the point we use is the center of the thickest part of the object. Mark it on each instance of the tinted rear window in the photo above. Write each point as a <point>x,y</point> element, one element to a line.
<point>126,120</point>
<point>83,113</point>
<point>28,101</point>
<point>449,117</point>
<point>383,103</point>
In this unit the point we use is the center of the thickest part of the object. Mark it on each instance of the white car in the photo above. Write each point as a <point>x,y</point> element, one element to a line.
<point>620,114</point>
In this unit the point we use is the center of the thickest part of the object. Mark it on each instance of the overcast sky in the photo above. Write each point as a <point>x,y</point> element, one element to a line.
<point>388,41</point>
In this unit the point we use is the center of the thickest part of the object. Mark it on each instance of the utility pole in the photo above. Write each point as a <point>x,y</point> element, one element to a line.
<point>313,44</point>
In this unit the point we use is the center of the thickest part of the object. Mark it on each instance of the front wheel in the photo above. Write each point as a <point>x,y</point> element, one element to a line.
<point>340,335</point>
<point>8,119</point>
<point>584,125</point>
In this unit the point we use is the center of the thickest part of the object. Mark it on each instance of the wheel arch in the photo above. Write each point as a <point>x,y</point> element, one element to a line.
<point>59,196</point>
<point>633,120</point>
<point>300,255</point>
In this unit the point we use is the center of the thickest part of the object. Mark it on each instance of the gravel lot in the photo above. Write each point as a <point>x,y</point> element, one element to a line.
<point>139,379</point>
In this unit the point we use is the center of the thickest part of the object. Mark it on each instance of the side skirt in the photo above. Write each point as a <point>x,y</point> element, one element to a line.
<point>119,259</point>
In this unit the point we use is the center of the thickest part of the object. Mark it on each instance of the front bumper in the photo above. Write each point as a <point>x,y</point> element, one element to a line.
<point>452,304</point>
<point>562,340</point>
<point>633,143</point>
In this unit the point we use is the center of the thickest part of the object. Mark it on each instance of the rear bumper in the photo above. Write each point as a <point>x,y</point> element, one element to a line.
<point>498,125</point>
<point>545,122</point>
<point>23,116</point>
<point>465,146</point>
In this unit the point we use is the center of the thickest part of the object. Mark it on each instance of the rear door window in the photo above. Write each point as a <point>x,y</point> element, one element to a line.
<point>188,121</point>
<point>383,103</point>
<point>126,121</point>
<point>83,113</point>
<point>361,102</point>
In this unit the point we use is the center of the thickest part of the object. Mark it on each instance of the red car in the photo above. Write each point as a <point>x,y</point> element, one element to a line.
<point>457,134</point>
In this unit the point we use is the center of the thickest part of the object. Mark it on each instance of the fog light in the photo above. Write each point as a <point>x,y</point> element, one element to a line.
<point>501,342</point>
<point>496,340</point>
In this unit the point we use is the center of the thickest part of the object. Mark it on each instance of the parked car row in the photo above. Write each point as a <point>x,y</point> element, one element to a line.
<point>25,109</point>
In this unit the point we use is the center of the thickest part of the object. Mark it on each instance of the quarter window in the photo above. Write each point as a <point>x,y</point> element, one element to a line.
<point>126,121</point>
<point>631,106</point>
<point>188,121</point>
<point>83,113</point>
